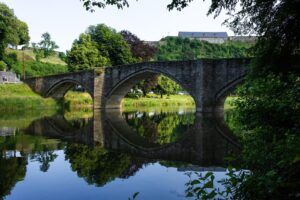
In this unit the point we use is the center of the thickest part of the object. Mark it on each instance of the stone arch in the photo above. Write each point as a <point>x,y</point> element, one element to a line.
<point>117,93</point>
<point>222,94</point>
<point>60,88</point>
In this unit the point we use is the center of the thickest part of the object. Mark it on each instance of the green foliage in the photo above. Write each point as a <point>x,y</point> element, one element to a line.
<point>100,46</point>
<point>168,86</point>
<point>89,4</point>
<point>178,48</point>
<point>139,49</point>
<point>2,66</point>
<point>266,118</point>
<point>97,166</point>
<point>33,68</point>
<point>12,30</point>
<point>13,170</point>
<point>111,45</point>
<point>45,47</point>
<point>62,56</point>
<point>162,128</point>
<point>85,55</point>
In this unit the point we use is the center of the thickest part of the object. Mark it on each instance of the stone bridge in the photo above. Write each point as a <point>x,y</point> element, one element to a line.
<point>208,81</point>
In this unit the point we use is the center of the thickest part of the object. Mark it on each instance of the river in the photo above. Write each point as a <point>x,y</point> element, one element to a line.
<point>138,154</point>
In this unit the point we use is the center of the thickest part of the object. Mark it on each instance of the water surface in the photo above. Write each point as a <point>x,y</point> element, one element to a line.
<point>110,155</point>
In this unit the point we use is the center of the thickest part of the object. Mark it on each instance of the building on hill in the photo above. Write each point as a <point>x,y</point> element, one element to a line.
<point>8,77</point>
<point>212,37</point>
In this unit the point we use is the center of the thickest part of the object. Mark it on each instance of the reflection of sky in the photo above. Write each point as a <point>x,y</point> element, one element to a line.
<point>154,181</point>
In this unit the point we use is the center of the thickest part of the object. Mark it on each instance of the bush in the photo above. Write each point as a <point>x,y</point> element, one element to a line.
<point>2,66</point>
<point>34,68</point>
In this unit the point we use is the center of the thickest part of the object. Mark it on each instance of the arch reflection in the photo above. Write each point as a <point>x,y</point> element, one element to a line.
<point>205,143</point>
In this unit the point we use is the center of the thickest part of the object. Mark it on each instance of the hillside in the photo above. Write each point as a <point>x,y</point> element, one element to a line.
<point>47,66</point>
<point>29,56</point>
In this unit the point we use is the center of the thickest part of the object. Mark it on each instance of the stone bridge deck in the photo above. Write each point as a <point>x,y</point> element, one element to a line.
<point>208,81</point>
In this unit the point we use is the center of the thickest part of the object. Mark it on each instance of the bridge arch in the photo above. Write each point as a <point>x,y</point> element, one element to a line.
<point>118,92</point>
<point>225,91</point>
<point>61,87</point>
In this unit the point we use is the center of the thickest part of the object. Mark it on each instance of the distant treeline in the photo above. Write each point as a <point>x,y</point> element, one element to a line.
<point>178,48</point>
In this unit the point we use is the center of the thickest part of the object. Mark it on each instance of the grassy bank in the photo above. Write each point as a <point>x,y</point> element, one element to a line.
<point>78,100</point>
<point>20,97</point>
<point>155,100</point>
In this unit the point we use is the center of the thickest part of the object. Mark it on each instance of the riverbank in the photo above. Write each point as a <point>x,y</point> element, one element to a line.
<point>18,97</point>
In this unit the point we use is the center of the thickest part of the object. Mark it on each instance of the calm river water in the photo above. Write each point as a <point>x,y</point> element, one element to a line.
<point>110,155</point>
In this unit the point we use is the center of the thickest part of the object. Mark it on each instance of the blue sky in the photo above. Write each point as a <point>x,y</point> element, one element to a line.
<point>148,19</point>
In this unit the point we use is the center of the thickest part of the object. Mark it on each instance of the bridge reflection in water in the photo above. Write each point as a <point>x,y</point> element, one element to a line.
<point>207,142</point>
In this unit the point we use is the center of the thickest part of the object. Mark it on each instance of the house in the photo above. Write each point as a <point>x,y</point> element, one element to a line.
<point>212,37</point>
<point>8,77</point>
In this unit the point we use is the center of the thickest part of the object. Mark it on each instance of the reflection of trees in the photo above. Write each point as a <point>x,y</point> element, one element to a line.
<point>12,169</point>
<point>45,157</point>
<point>160,128</point>
<point>98,166</point>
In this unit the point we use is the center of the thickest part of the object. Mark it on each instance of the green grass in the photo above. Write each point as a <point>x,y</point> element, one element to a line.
<point>78,99</point>
<point>16,97</point>
<point>30,56</point>
<point>20,97</point>
<point>155,100</point>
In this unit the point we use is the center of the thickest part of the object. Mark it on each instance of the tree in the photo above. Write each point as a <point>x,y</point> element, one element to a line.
<point>85,55</point>
<point>144,52</point>
<point>12,30</point>
<point>23,33</point>
<point>111,45</point>
<point>139,49</point>
<point>45,48</point>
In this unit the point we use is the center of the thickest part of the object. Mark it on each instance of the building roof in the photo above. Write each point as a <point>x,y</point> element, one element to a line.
<point>203,34</point>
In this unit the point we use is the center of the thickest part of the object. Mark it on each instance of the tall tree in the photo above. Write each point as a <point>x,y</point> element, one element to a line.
<point>84,55</point>
<point>12,30</point>
<point>111,44</point>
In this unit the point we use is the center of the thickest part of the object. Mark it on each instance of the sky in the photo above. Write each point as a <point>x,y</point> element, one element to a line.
<point>150,20</point>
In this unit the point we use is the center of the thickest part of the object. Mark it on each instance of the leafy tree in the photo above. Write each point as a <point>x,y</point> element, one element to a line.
<point>23,33</point>
<point>45,48</point>
<point>111,45</point>
<point>139,49</point>
<point>144,52</point>
<point>168,86</point>
<point>12,30</point>
<point>85,55</point>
